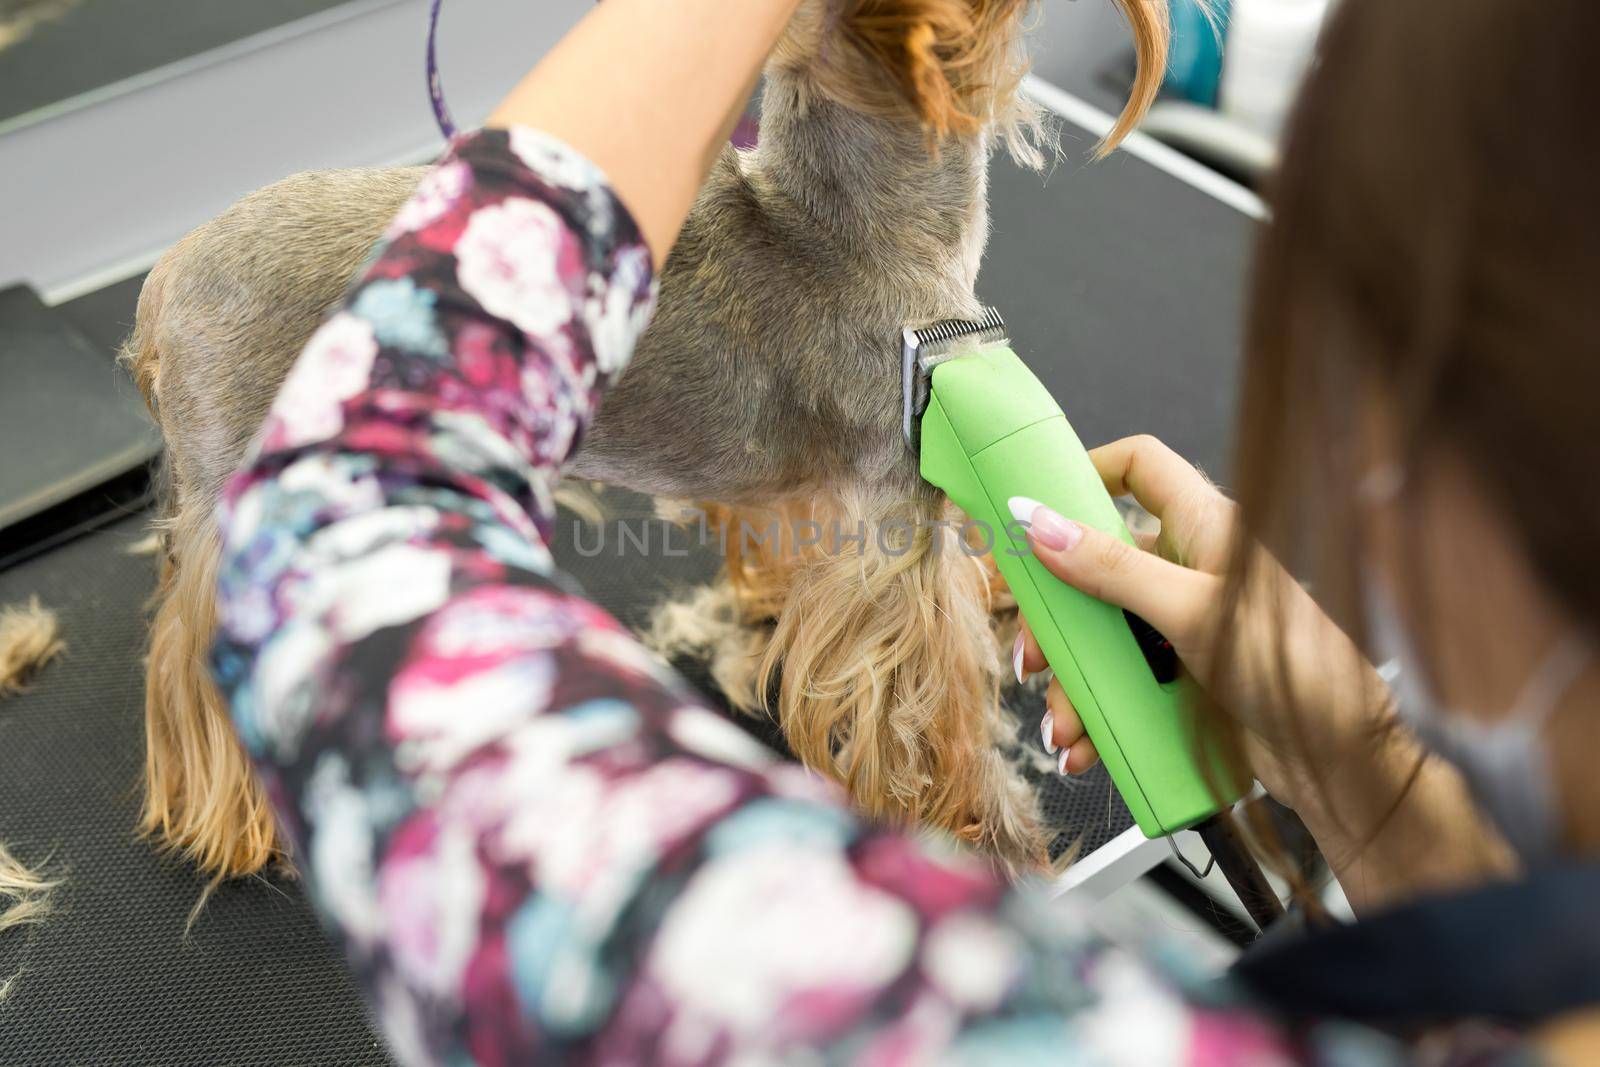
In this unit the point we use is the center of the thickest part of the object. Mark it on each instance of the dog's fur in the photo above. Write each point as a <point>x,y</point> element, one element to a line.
<point>862,209</point>
<point>221,319</point>
<point>29,639</point>
<point>25,899</point>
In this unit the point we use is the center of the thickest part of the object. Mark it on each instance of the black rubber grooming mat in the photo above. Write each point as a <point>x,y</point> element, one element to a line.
<point>112,977</point>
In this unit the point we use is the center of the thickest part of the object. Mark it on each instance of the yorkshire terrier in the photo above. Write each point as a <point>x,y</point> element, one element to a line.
<point>767,385</point>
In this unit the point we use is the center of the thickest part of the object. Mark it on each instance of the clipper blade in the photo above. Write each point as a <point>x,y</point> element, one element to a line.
<point>927,347</point>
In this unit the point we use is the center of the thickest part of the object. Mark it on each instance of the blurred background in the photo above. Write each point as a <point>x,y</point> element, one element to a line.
<point>124,123</point>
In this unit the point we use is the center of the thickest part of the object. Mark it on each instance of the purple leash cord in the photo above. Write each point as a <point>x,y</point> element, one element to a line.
<point>441,113</point>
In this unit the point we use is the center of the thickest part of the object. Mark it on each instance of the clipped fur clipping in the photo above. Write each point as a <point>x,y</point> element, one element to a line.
<point>19,18</point>
<point>24,901</point>
<point>24,892</point>
<point>28,640</point>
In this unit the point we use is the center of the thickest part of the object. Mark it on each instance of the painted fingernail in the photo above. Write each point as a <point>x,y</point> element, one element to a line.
<point>1016,662</point>
<point>1047,730</point>
<point>1022,508</point>
<point>1045,525</point>
<point>1061,760</point>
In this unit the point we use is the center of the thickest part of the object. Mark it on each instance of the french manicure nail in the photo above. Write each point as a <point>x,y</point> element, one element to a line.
<point>1061,760</point>
<point>1047,729</point>
<point>1016,662</point>
<point>1045,525</point>
<point>1022,508</point>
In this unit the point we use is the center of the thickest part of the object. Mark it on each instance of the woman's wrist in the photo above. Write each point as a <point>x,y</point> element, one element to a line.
<point>1391,821</point>
<point>1412,828</point>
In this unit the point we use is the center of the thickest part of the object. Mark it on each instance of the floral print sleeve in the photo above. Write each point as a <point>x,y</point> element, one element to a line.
<point>531,841</point>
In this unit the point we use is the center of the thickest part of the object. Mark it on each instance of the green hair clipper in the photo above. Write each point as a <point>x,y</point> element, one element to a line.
<point>985,429</point>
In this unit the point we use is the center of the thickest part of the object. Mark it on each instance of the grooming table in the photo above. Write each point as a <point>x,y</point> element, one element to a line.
<point>1121,284</point>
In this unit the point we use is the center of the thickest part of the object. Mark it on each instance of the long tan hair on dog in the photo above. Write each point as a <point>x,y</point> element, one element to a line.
<point>864,637</point>
<point>202,798</point>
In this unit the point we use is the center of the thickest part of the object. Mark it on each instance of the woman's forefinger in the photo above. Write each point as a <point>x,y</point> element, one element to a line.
<point>1194,515</point>
<point>1144,468</point>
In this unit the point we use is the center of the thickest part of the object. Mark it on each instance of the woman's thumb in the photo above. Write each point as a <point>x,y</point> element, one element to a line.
<point>1169,597</point>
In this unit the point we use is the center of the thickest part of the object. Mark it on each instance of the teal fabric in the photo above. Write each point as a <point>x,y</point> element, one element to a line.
<point>1194,67</point>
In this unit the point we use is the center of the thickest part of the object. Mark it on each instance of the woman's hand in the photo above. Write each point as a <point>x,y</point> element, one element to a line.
<point>1313,712</point>
<point>1175,580</point>
<point>1176,584</point>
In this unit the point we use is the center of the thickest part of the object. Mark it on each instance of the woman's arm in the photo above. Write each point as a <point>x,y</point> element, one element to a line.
<point>1412,828</point>
<point>649,91</point>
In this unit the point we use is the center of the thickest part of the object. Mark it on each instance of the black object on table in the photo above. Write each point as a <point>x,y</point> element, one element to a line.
<point>76,439</point>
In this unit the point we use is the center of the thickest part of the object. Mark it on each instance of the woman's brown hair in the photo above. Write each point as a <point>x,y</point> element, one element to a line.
<point>1435,241</point>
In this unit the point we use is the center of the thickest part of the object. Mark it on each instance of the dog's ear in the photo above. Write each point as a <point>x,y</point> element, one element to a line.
<point>957,63</point>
